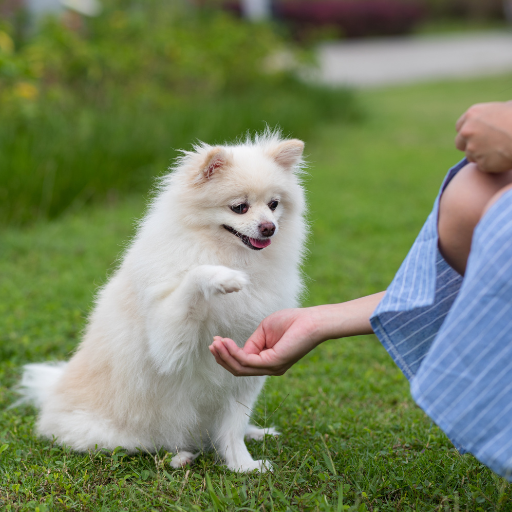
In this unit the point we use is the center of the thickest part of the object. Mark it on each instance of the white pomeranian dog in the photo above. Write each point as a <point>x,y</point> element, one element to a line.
<point>219,250</point>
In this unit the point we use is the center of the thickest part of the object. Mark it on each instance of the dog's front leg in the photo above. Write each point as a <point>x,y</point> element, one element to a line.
<point>229,443</point>
<point>175,318</point>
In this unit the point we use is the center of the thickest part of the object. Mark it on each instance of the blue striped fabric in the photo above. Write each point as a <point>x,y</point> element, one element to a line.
<point>452,337</point>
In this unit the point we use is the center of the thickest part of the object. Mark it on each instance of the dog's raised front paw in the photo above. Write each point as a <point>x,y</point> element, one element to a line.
<point>226,280</point>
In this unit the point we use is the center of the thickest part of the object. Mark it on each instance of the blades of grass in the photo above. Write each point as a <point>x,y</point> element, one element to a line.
<point>340,506</point>
<point>216,501</point>
<point>243,491</point>
<point>328,459</point>
<point>295,455</point>
<point>227,485</point>
<point>172,506</point>
<point>232,492</point>
<point>297,473</point>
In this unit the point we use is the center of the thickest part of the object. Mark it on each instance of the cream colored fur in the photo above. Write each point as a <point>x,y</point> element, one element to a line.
<point>143,376</point>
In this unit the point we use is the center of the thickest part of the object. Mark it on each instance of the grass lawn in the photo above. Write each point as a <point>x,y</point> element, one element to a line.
<point>352,438</point>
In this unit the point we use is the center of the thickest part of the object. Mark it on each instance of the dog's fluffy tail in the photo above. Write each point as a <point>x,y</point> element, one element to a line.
<point>37,382</point>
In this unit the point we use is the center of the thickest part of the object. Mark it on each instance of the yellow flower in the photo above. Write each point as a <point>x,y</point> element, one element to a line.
<point>6,43</point>
<point>25,90</point>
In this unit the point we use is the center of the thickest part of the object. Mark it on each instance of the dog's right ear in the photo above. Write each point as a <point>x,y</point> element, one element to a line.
<point>288,153</point>
<point>213,162</point>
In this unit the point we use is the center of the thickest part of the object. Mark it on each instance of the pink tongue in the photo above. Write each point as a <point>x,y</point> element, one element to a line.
<point>260,244</point>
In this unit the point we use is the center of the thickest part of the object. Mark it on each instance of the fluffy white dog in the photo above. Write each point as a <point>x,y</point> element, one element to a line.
<point>218,250</point>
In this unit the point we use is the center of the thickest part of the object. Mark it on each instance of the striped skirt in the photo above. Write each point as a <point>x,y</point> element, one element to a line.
<point>452,336</point>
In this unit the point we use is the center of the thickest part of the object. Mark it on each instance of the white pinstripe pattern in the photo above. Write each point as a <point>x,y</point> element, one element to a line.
<point>424,326</point>
<point>421,343</point>
<point>475,363</point>
<point>497,399</point>
<point>505,448</point>
<point>417,362</point>
<point>431,308</point>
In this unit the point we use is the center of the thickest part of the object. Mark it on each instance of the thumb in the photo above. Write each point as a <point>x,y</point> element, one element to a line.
<point>257,341</point>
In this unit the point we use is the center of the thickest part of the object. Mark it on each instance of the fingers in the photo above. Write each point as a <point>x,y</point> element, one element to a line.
<point>493,164</point>
<point>256,342</point>
<point>230,350</point>
<point>469,115</point>
<point>215,352</point>
<point>484,133</point>
<point>463,133</point>
<point>460,142</point>
<point>461,121</point>
<point>233,360</point>
<point>230,366</point>
<point>240,355</point>
<point>464,141</point>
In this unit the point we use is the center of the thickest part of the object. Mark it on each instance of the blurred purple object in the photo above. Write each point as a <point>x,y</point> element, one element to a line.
<point>232,6</point>
<point>355,18</point>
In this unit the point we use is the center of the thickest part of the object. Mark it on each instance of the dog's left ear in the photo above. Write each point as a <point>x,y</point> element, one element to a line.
<point>215,160</point>
<point>288,153</point>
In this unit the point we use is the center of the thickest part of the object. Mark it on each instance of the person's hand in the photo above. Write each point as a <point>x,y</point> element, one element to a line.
<point>279,341</point>
<point>485,135</point>
<point>288,335</point>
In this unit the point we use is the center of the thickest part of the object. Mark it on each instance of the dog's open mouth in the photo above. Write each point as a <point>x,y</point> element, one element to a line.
<point>254,243</point>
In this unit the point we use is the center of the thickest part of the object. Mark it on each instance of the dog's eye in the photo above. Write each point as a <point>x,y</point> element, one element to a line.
<point>273,205</point>
<point>240,208</point>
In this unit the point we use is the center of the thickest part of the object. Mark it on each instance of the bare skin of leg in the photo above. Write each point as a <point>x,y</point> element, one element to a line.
<point>465,200</point>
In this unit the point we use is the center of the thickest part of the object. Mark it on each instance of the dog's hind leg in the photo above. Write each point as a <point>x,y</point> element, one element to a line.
<point>257,434</point>
<point>175,319</point>
<point>182,459</point>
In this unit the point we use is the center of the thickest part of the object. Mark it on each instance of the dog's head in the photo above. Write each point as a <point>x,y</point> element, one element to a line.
<point>243,194</point>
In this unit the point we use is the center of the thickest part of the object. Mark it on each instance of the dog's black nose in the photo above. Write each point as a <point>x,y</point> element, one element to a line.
<point>267,228</point>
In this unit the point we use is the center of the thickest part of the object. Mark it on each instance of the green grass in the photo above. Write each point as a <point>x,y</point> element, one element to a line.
<point>352,438</point>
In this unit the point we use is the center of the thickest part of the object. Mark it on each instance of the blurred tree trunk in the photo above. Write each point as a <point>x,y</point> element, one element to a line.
<point>256,10</point>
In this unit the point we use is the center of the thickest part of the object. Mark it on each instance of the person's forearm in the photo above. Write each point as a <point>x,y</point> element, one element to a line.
<point>347,318</point>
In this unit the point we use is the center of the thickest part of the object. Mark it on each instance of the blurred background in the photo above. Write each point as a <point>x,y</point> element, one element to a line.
<point>96,96</point>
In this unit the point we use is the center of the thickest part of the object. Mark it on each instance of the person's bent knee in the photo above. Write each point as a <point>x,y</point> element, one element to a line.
<point>462,205</point>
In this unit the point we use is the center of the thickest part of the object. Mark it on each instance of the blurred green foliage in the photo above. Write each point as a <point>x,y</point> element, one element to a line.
<point>88,112</point>
<point>149,46</point>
